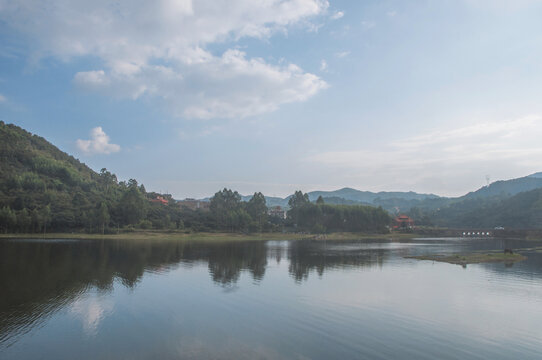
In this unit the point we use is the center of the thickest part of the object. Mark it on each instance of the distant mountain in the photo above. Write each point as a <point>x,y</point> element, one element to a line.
<point>335,200</point>
<point>270,200</point>
<point>522,210</point>
<point>349,196</point>
<point>507,188</point>
<point>368,196</point>
<point>537,175</point>
<point>515,203</point>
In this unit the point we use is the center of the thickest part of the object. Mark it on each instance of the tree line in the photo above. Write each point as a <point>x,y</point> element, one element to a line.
<point>127,207</point>
<point>320,217</point>
<point>43,189</point>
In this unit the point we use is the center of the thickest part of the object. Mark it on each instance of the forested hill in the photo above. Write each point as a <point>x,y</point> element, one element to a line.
<point>41,186</point>
<point>520,211</point>
<point>507,188</point>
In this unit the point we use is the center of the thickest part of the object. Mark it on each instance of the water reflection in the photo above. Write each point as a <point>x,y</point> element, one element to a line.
<point>40,278</point>
<point>306,256</point>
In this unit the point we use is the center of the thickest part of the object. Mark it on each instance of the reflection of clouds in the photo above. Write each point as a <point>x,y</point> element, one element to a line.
<point>91,310</point>
<point>414,295</point>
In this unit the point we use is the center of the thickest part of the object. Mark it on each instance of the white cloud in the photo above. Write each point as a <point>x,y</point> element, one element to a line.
<point>158,49</point>
<point>229,86</point>
<point>323,65</point>
<point>391,13</point>
<point>337,15</point>
<point>451,158</point>
<point>91,311</point>
<point>2,98</point>
<point>342,54</point>
<point>98,143</point>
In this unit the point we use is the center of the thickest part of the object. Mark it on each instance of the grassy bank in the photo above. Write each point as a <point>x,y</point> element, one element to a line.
<point>473,258</point>
<point>207,236</point>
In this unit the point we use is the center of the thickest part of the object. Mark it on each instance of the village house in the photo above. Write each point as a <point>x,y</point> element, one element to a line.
<point>277,211</point>
<point>194,204</point>
<point>403,222</point>
<point>159,200</point>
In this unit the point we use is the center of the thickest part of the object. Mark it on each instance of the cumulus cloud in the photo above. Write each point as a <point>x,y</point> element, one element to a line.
<point>159,49</point>
<point>99,143</point>
<point>453,157</point>
<point>337,15</point>
<point>219,87</point>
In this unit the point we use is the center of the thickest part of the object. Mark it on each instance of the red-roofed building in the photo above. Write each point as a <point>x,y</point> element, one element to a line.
<point>159,200</point>
<point>403,222</point>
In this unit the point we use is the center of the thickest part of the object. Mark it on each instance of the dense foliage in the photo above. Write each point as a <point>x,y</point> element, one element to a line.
<point>521,211</point>
<point>44,189</point>
<point>320,217</point>
<point>229,213</point>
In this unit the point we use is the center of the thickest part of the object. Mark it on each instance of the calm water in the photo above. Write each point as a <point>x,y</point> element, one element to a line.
<point>266,300</point>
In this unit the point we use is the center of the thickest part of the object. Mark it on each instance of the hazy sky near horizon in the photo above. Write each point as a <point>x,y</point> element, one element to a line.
<point>190,96</point>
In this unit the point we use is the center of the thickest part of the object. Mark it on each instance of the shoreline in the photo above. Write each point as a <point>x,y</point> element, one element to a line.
<point>208,236</point>
<point>224,236</point>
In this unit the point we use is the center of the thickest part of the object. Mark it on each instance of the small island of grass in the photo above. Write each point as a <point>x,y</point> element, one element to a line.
<point>473,258</point>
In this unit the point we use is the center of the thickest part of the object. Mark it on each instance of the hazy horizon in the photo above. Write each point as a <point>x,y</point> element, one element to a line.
<point>189,97</point>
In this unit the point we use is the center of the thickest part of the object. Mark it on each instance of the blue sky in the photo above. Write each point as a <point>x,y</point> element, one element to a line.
<point>193,96</point>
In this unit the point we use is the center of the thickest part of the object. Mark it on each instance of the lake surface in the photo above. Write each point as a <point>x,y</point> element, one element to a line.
<point>266,300</point>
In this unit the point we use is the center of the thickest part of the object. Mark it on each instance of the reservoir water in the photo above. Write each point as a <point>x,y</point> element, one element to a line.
<point>359,299</point>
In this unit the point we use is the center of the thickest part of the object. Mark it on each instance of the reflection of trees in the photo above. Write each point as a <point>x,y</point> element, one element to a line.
<point>306,256</point>
<point>226,261</point>
<point>38,278</point>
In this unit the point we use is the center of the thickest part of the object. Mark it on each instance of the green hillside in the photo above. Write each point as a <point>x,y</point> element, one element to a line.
<point>45,189</point>
<point>507,188</point>
<point>520,211</point>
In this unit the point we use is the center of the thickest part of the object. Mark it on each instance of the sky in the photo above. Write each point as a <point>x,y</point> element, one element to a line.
<point>191,96</point>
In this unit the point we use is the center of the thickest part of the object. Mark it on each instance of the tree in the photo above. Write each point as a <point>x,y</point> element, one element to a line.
<point>132,205</point>
<point>45,217</point>
<point>102,216</point>
<point>320,200</point>
<point>23,220</point>
<point>298,199</point>
<point>257,209</point>
<point>223,206</point>
<point>7,218</point>
<point>108,179</point>
<point>296,202</point>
